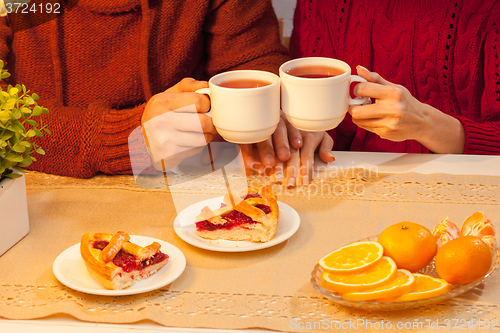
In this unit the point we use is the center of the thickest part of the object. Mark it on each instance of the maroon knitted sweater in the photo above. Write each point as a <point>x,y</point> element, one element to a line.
<point>97,64</point>
<point>445,52</point>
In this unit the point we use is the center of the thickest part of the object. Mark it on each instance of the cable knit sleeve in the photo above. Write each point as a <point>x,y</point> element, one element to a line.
<point>482,136</point>
<point>243,34</point>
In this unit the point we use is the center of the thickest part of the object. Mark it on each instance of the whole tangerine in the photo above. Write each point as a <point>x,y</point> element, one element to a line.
<point>411,245</point>
<point>463,260</point>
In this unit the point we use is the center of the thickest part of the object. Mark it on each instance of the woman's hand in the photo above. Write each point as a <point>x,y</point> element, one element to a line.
<point>174,125</point>
<point>299,168</point>
<point>294,150</point>
<point>397,116</point>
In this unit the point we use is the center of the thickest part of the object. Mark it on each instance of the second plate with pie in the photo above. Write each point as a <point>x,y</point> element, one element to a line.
<point>289,222</point>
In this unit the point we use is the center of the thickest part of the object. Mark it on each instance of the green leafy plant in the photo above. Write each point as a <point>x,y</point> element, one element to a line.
<point>18,127</point>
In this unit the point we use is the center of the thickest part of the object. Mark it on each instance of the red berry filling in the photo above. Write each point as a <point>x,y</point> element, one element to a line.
<point>100,245</point>
<point>249,195</point>
<point>264,208</point>
<point>252,195</point>
<point>233,218</point>
<point>128,261</point>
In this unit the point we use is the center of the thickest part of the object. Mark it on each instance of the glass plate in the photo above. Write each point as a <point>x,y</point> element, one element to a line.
<point>388,306</point>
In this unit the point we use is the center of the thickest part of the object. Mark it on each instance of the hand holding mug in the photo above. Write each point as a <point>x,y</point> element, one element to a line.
<point>174,125</point>
<point>397,115</point>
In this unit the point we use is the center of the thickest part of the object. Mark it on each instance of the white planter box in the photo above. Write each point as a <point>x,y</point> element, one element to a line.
<point>14,222</point>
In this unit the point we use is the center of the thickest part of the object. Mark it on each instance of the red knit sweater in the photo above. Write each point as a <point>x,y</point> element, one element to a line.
<point>96,65</point>
<point>445,52</point>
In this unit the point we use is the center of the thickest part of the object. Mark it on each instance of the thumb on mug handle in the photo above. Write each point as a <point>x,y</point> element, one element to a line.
<point>205,91</point>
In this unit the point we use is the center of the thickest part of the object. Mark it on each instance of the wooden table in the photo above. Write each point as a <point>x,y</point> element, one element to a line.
<point>411,165</point>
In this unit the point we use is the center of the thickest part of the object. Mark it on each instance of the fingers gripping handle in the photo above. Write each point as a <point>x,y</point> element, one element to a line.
<point>357,100</point>
<point>205,91</point>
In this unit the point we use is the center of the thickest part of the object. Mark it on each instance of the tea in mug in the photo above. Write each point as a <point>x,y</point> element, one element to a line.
<point>243,83</point>
<point>315,71</point>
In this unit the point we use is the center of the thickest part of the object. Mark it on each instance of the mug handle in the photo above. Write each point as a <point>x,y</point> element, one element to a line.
<point>205,91</point>
<point>357,100</point>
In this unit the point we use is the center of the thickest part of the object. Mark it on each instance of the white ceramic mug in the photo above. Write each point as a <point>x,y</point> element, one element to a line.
<point>317,104</point>
<point>244,115</point>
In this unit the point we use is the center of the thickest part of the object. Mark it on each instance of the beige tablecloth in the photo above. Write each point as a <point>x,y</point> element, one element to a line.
<point>268,288</point>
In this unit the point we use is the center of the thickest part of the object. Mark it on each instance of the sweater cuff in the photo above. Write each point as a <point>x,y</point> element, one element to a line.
<point>119,143</point>
<point>480,139</point>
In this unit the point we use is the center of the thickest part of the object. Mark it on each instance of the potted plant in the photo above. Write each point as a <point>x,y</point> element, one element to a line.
<point>18,127</point>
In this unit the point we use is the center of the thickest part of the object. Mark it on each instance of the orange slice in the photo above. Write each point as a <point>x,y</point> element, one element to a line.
<point>425,287</point>
<point>353,257</point>
<point>403,283</point>
<point>369,278</point>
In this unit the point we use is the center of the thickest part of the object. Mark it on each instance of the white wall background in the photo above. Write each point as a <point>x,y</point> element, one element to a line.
<point>284,9</point>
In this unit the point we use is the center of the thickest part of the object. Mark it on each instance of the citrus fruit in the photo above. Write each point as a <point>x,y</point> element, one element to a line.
<point>477,225</point>
<point>411,245</point>
<point>402,283</point>
<point>352,257</point>
<point>463,260</point>
<point>425,287</point>
<point>445,231</point>
<point>373,276</point>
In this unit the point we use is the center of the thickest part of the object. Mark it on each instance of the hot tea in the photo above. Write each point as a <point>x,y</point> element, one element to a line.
<point>244,105</point>
<point>315,92</point>
<point>243,83</point>
<point>315,71</point>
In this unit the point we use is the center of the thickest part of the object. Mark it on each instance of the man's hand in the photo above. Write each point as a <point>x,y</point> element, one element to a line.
<point>174,125</point>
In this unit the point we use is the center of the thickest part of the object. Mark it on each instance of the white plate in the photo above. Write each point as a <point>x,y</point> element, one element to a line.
<point>185,228</point>
<point>69,268</point>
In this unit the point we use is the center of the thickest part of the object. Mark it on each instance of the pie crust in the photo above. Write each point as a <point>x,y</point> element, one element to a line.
<point>116,262</point>
<point>251,215</point>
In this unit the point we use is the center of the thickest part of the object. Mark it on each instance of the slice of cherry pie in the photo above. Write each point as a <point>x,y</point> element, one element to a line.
<point>116,262</point>
<point>253,217</point>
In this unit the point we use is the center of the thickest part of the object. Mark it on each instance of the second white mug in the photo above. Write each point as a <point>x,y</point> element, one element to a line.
<point>315,92</point>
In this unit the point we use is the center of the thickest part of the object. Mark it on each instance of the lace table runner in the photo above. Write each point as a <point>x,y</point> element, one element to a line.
<point>268,288</point>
